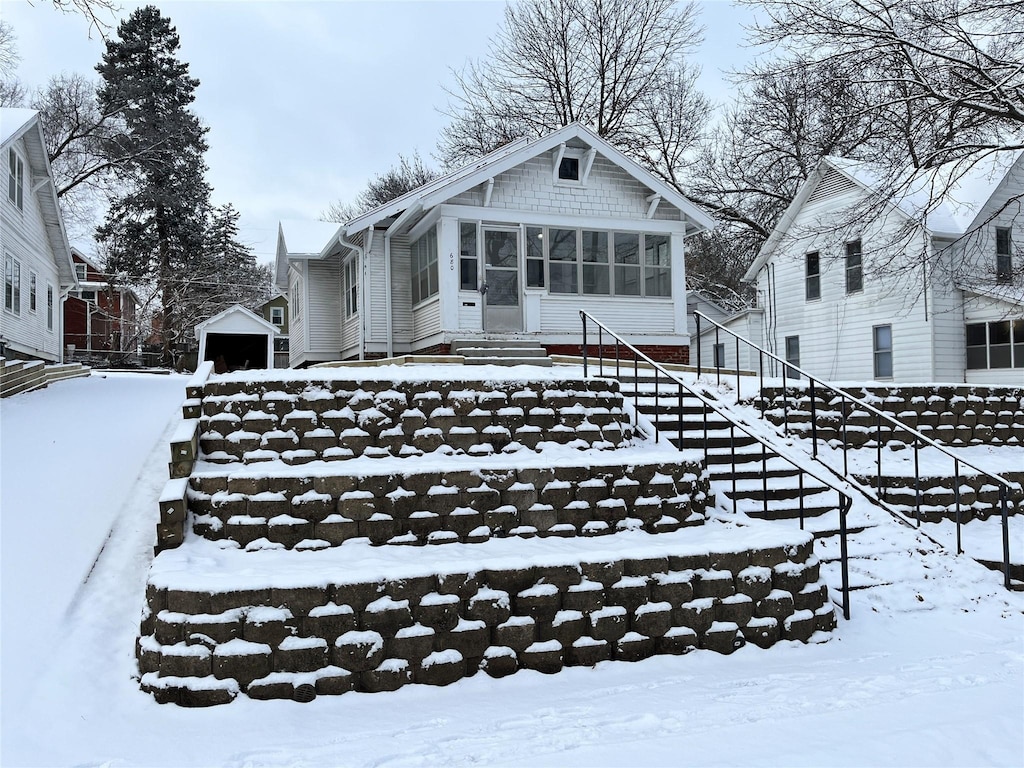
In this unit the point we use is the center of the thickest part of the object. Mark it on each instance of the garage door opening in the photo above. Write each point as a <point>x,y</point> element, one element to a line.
<point>236,351</point>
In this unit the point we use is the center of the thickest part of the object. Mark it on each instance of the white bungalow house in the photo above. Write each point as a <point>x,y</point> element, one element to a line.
<point>510,246</point>
<point>884,297</point>
<point>38,270</point>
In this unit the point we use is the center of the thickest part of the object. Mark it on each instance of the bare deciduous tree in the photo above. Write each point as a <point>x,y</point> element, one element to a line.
<point>404,176</point>
<point>618,66</point>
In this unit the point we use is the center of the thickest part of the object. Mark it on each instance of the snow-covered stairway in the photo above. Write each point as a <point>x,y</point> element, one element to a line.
<point>310,559</point>
<point>740,467</point>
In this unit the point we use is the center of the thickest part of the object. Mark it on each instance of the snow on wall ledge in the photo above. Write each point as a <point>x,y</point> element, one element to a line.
<point>374,619</point>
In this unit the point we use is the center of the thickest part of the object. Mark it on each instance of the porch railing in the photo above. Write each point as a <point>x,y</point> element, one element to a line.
<point>847,403</point>
<point>663,377</point>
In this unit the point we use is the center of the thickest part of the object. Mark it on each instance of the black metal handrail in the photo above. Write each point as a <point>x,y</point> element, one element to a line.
<point>880,416</point>
<point>845,499</point>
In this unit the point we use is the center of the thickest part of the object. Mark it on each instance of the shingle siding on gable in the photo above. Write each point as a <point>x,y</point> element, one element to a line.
<point>609,191</point>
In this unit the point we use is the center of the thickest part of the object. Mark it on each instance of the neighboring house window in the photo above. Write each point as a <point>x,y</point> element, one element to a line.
<point>596,279</point>
<point>277,316</point>
<point>883,351</point>
<point>89,296</point>
<point>16,179</point>
<point>793,355</point>
<point>562,260</point>
<point>49,307</point>
<point>295,299</point>
<point>424,267</point>
<point>998,344</point>
<point>812,280</point>
<point>854,268</point>
<point>1004,259</point>
<point>719,353</point>
<point>469,259</point>
<point>32,292</point>
<point>534,257</point>
<point>80,271</point>
<point>12,284</point>
<point>351,288</point>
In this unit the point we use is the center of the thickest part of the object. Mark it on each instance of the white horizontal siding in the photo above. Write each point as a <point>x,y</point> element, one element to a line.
<point>470,317</point>
<point>324,307</point>
<point>401,291</point>
<point>426,319</point>
<point>561,314</point>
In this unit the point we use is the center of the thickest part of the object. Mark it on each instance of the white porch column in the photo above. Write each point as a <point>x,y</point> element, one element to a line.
<point>677,244</point>
<point>448,272</point>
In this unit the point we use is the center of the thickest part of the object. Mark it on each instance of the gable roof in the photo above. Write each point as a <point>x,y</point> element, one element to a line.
<point>24,124</point>
<point>962,194</point>
<point>511,155</point>
<point>301,239</point>
<point>243,313</point>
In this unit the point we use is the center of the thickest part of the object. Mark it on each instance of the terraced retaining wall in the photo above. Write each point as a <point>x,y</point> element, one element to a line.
<point>952,415</point>
<point>979,497</point>
<point>284,637</point>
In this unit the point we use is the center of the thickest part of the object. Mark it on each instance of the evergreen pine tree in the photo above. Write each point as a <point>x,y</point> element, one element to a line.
<point>156,228</point>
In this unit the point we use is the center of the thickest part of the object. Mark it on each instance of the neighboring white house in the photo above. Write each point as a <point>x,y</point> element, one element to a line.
<point>236,339</point>
<point>38,269</point>
<point>883,297</point>
<point>513,245</point>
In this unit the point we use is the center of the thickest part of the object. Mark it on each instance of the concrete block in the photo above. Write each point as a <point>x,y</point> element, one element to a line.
<point>634,647</point>
<point>441,668</point>
<point>410,643</point>
<point>438,611</point>
<point>518,633</point>
<point>609,623</point>
<point>499,661</point>
<point>301,654</point>
<point>652,619</point>
<point>722,637</point>
<point>242,661</point>
<point>391,675</point>
<point>543,657</point>
<point>358,651</point>
<point>677,641</point>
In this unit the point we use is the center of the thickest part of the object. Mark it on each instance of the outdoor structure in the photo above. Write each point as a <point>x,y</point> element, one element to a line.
<point>236,339</point>
<point>851,288</point>
<point>275,311</point>
<point>37,257</point>
<point>511,246</point>
<point>99,317</point>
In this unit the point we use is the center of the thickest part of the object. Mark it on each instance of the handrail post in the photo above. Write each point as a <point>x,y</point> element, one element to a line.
<point>600,350</point>
<point>844,554</point>
<point>878,446</point>
<point>583,315</point>
<point>736,367</point>
<point>764,478</point>
<point>956,480</point>
<point>718,363</point>
<point>617,345</point>
<point>814,421</point>
<point>801,476</point>
<point>1006,535</point>
<point>679,392</point>
<point>785,401</point>
<point>760,382</point>
<point>917,480</point>
<point>697,318</point>
<point>846,442</point>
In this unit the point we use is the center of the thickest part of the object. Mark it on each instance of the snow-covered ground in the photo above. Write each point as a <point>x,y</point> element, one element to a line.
<point>930,671</point>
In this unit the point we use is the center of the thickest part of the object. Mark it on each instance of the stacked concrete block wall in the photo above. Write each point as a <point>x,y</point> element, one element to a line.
<point>200,647</point>
<point>18,376</point>
<point>374,463</point>
<point>936,499</point>
<point>417,507</point>
<point>948,414</point>
<point>298,422</point>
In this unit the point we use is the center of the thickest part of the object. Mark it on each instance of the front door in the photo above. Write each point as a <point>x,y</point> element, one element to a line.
<point>502,300</point>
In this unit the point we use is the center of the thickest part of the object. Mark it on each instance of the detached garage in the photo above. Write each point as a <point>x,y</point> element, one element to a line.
<point>236,339</point>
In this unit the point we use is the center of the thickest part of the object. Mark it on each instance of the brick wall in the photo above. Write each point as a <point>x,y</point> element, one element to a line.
<point>662,353</point>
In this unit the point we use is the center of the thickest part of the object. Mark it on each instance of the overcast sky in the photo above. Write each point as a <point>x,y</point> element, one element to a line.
<point>305,101</point>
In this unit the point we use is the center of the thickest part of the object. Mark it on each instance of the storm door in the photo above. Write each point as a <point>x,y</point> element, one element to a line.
<point>502,300</point>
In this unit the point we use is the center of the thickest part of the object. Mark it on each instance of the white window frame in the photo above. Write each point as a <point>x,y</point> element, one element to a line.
<point>812,278</point>
<point>277,316</point>
<point>854,268</point>
<point>881,353</point>
<point>295,297</point>
<point>12,285</point>
<point>16,178</point>
<point>580,157</point>
<point>423,267</point>
<point>1016,345</point>
<point>1004,256</point>
<point>33,280</point>
<point>49,307</point>
<point>81,271</point>
<point>350,276</point>
<point>792,344</point>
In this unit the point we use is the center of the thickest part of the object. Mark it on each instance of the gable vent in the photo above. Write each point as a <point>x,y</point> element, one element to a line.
<point>834,183</point>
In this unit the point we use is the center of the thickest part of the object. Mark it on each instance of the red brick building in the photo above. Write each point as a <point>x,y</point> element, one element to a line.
<point>99,317</point>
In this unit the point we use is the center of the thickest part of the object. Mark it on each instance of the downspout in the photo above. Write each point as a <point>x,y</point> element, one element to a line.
<point>362,292</point>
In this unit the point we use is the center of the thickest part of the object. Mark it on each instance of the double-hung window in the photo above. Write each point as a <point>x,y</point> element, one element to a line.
<point>854,267</point>
<point>32,291</point>
<point>534,257</point>
<point>812,276</point>
<point>793,355</point>
<point>49,307</point>
<point>1004,257</point>
<point>657,266</point>
<point>627,264</point>
<point>277,316</point>
<point>351,276</point>
<point>468,258</point>
<point>12,284</point>
<point>424,266</point>
<point>882,344</point>
<point>15,179</point>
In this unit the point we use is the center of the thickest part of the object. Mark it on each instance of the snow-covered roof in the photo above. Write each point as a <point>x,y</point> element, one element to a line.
<point>307,237</point>
<point>948,199</point>
<point>513,154</point>
<point>13,121</point>
<point>236,313</point>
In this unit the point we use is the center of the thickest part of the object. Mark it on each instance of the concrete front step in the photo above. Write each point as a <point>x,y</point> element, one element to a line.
<point>459,346</point>
<point>509,360</point>
<point>332,622</point>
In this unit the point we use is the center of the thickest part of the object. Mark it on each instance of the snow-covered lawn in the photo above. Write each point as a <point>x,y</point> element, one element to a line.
<point>935,680</point>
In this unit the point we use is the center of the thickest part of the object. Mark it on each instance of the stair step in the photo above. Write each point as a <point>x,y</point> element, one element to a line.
<point>503,352</point>
<point>543,362</point>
